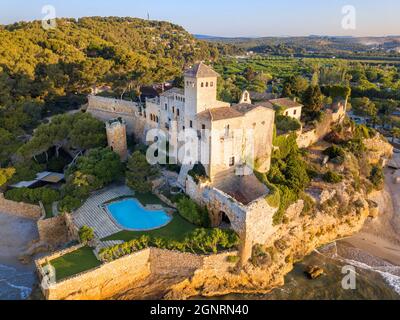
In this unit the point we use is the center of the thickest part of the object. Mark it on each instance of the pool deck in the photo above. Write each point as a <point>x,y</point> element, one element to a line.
<point>92,214</point>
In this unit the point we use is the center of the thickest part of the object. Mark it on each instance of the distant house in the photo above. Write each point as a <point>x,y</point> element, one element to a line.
<point>42,179</point>
<point>291,108</point>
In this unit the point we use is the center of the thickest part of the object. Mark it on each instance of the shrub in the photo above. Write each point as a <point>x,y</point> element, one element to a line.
<point>192,212</point>
<point>332,177</point>
<point>86,234</point>
<point>199,241</point>
<point>377,177</point>
<point>69,204</point>
<point>287,124</point>
<point>233,259</point>
<point>198,173</point>
<point>44,195</point>
<point>335,152</point>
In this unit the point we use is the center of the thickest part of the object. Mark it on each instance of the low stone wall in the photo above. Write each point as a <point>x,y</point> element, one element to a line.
<point>126,273</point>
<point>53,231</point>
<point>103,282</point>
<point>19,209</point>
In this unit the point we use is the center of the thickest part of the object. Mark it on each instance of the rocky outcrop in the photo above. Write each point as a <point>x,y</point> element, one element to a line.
<point>341,210</point>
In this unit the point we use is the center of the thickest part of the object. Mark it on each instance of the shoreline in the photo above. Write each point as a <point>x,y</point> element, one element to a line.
<point>17,279</point>
<point>380,237</point>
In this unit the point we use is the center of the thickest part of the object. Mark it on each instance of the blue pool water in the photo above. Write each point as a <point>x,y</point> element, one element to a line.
<point>131,215</point>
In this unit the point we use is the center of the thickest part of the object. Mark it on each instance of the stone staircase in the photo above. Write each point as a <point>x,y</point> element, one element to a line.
<point>91,214</point>
<point>181,182</point>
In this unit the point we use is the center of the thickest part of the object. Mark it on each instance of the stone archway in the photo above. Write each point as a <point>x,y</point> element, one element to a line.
<point>225,222</point>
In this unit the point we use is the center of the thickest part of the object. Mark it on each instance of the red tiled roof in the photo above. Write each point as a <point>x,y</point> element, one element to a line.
<point>285,103</point>
<point>201,70</point>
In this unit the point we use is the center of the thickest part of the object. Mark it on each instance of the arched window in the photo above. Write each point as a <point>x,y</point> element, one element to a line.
<point>206,84</point>
<point>211,84</point>
<point>177,112</point>
<point>202,84</point>
<point>157,119</point>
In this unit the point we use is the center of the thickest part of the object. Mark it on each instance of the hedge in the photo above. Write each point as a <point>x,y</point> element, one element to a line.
<point>33,196</point>
<point>203,241</point>
<point>194,213</point>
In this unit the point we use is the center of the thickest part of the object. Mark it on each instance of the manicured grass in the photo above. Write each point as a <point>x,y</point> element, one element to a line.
<point>175,230</point>
<point>49,210</point>
<point>75,262</point>
<point>149,198</point>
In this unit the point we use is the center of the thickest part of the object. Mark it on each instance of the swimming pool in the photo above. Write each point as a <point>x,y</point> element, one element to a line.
<point>130,215</point>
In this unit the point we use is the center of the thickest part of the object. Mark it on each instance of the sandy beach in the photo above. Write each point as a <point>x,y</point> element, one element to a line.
<point>380,237</point>
<point>16,279</point>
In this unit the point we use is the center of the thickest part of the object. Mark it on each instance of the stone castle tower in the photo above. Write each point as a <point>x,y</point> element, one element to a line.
<point>116,137</point>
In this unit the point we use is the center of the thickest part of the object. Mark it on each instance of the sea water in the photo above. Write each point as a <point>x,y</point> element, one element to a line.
<point>16,283</point>
<point>375,279</point>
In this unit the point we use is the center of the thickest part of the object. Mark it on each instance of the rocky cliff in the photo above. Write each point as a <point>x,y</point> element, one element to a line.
<point>339,210</point>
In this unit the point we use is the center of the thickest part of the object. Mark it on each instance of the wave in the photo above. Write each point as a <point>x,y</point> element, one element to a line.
<point>16,283</point>
<point>390,273</point>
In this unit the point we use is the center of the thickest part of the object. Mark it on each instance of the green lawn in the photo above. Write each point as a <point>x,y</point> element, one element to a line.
<point>149,198</point>
<point>175,230</point>
<point>75,262</point>
<point>49,210</point>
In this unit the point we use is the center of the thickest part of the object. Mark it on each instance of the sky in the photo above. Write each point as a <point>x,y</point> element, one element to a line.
<point>230,18</point>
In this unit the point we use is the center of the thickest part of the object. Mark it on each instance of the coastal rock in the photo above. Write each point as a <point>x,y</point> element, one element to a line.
<point>314,272</point>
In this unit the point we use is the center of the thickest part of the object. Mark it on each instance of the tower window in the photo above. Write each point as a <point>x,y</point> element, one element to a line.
<point>191,123</point>
<point>203,126</point>
<point>202,84</point>
<point>173,109</point>
<point>231,161</point>
<point>294,111</point>
<point>211,84</point>
<point>166,106</point>
<point>177,112</point>
<point>206,84</point>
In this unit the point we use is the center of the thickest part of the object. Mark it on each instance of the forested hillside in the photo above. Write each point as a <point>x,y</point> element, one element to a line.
<point>43,72</point>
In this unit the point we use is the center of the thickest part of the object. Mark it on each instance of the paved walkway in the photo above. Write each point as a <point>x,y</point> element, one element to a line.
<point>91,214</point>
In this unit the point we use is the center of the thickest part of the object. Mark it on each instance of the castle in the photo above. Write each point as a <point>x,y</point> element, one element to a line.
<point>234,140</point>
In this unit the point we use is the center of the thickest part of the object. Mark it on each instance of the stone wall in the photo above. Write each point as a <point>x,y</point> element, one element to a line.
<point>106,109</point>
<point>103,282</point>
<point>124,274</point>
<point>308,138</point>
<point>19,209</point>
<point>53,231</point>
<point>253,223</point>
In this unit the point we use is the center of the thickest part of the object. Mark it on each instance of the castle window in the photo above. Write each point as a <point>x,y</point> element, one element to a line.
<point>294,111</point>
<point>202,84</point>
<point>177,112</point>
<point>191,123</point>
<point>173,109</point>
<point>183,127</point>
<point>166,106</point>
<point>211,84</point>
<point>227,128</point>
<point>203,127</point>
<point>206,84</point>
<point>157,119</point>
<point>231,161</point>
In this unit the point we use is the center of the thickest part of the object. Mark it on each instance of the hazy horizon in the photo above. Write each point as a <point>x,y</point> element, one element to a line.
<point>223,18</point>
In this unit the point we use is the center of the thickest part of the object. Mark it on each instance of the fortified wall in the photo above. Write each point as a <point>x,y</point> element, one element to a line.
<point>331,116</point>
<point>20,209</point>
<point>252,222</point>
<point>106,109</point>
<point>128,273</point>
